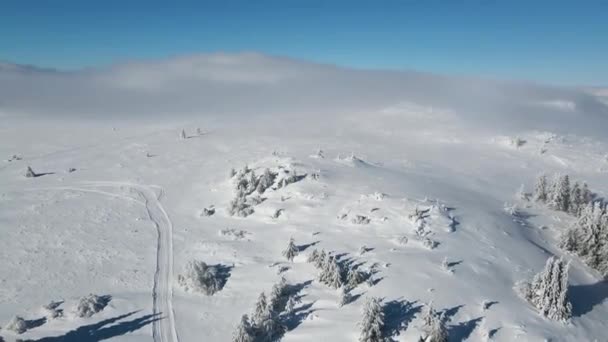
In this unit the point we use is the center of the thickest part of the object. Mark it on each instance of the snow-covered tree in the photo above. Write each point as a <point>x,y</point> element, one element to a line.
<point>244,332</point>
<point>291,251</point>
<point>291,304</point>
<point>232,173</point>
<point>252,182</point>
<point>277,296</point>
<point>198,276</point>
<point>321,259</point>
<point>17,324</point>
<point>541,189</point>
<point>434,327</point>
<point>344,296</point>
<point>239,206</point>
<point>182,135</point>
<point>270,329</point>
<point>265,181</point>
<point>559,198</point>
<point>576,199</point>
<point>331,273</point>
<point>588,238</point>
<point>261,309</point>
<point>354,278</point>
<point>199,131</point>
<point>30,173</point>
<point>89,305</point>
<point>372,322</point>
<point>548,291</point>
<point>312,257</point>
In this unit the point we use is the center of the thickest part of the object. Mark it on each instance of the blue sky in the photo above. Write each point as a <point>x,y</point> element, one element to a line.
<point>563,42</point>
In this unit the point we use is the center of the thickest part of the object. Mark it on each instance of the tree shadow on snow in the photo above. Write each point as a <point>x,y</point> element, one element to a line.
<point>222,274</point>
<point>35,323</point>
<point>397,316</point>
<point>463,330</point>
<point>294,319</point>
<point>302,248</point>
<point>103,330</point>
<point>585,297</point>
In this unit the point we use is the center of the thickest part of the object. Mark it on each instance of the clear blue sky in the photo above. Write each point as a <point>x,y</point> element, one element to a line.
<point>551,41</point>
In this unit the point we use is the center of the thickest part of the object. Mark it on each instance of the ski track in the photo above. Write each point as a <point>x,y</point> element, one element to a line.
<point>163,330</point>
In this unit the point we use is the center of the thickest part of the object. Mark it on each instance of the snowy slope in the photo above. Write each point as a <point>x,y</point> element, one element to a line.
<point>127,220</point>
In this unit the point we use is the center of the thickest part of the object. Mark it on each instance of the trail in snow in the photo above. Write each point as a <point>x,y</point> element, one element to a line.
<point>162,293</point>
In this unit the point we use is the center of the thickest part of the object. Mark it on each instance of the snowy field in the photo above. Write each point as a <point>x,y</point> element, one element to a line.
<point>118,205</point>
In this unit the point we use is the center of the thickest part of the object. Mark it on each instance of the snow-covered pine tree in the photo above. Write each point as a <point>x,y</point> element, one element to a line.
<point>549,290</point>
<point>559,198</point>
<point>30,173</point>
<point>244,331</point>
<point>354,278</point>
<point>252,182</point>
<point>372,322</point>
<point>265,181</point>
<point>277,296</point>
<point>183,134</point>
<point>291,251</point>
<point>540,188</point>
<point>291,305</point>
<point>271,330</point>
<point>588,238</point>
<point>232,173</point>
<point>576,200</point>
<point>586,194</point>
<point>321,260</point>
<point>331,274</point>
<point>434,329</point>
<point>312,257</point>
<point>344,296</point>
<point>261,309</point>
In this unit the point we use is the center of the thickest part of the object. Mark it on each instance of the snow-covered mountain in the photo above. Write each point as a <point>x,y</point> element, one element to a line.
<point>411,178</point>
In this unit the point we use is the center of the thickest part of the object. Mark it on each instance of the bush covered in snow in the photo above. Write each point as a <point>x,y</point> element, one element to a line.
<point>200,277</point>
<point>89,305</point>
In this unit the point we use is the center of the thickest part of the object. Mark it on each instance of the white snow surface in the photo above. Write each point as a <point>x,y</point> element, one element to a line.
<point>126,221</point>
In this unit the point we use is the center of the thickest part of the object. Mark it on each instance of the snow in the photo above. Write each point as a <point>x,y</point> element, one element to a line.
<point>128,219</point>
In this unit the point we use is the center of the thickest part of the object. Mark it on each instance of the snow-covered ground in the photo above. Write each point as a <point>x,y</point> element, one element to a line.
<point>126,220</point>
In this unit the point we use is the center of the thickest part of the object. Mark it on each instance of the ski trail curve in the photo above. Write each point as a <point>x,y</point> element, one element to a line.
<point>162,330</point>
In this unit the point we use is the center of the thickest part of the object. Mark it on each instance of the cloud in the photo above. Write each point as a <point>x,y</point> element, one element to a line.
<point>254,84</point>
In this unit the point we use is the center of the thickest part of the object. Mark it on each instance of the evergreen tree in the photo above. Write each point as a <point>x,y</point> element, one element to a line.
<point>540,189</point>
<point>30,173</point>
<point>576,199</point>
<point>321,260</point>
<point>265,181</point>
<point>354,278</point>
<point>313,256</point>
<point>344,296</point>
<point>271,330</point>
<point>372,322</point>
<point>559,198</point>
<point>261,310</point>
<point>434,329</point>
<point>548,291</point>
<point>331,274</point>
<point>291,251</point>
<point>183,134</point>
<point>244,331</point>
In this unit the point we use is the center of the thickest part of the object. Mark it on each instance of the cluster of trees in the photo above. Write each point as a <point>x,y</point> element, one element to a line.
<point>548,290</point>
<point>335,274</point>
<point>372,324</point>
<point>199,276</point>
<point>588,237</point>
<point>560,195</point>
<point>265,323</point>
<point>246,184</point>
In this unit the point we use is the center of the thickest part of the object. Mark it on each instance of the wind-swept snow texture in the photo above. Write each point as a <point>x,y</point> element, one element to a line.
<point>418,184</point>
